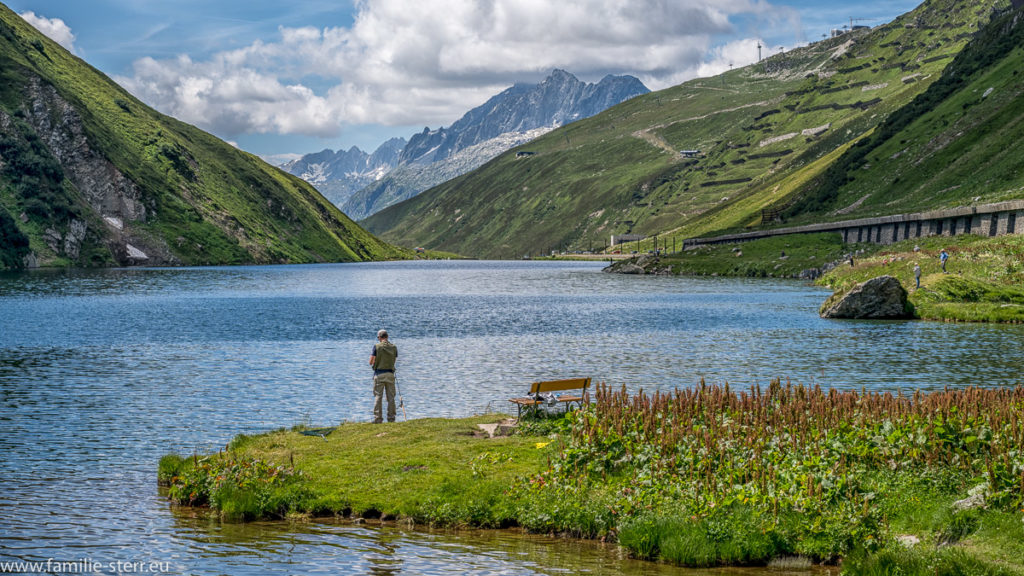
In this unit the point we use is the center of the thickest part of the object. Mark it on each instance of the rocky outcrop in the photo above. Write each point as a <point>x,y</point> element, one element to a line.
<point>642,264</point>
<point>112,196</point>
<point>879,298</point>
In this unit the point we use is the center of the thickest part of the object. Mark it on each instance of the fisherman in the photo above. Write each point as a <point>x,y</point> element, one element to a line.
<point>382,360</point>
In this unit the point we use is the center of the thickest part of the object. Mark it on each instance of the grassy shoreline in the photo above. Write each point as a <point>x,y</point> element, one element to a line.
<point>985,280</point>
<point>699,477</point>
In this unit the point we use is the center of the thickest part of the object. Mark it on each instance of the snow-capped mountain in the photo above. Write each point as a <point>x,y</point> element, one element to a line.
<point>560,99</point>
<point>339,174</point>
<point>515,116</point>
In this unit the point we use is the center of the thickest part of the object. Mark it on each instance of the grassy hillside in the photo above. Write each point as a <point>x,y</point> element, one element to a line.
<point>89,175</point>
<point>957,143</point>
<point>766,133</point>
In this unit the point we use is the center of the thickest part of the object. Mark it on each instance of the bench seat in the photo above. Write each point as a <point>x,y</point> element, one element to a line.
<point>573,390</point>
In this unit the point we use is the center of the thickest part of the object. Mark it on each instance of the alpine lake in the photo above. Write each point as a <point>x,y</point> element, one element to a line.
<point>104,371</point>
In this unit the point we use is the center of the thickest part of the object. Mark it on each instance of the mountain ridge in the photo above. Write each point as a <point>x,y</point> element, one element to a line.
<point>558,99</point>
<point>508,118</point>
<point>755,139</point>
<point>356,168</point>
<point>91,176</point>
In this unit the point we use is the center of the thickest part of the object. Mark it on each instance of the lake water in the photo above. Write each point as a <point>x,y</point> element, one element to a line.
<point>102,372</point>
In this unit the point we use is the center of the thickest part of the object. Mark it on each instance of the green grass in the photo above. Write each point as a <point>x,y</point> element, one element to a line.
<point>779,257</point>
<point>700,477</point>
<point>430,470</point>
<point>954,145</point>
<point>983,284</point>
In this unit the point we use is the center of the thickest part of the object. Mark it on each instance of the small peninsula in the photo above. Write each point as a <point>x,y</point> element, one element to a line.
<point>921,482</point>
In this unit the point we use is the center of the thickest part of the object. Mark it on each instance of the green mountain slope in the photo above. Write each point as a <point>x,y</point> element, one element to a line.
<point>91,176</point>
<point>764,132</point>
<point>956,144</point>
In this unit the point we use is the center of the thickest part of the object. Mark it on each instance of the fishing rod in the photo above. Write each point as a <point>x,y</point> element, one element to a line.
<point>401,401</point>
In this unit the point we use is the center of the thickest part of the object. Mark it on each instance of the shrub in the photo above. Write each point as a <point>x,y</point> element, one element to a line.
<point>238,489</point>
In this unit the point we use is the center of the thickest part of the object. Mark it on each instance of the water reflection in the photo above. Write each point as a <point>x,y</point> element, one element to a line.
<point>104,371</point>
<point>391,550</point>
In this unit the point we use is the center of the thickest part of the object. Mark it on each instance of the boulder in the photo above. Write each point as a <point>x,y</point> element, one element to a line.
<point>630,268</point>
<point>641,264</point>
<point>879,298</point>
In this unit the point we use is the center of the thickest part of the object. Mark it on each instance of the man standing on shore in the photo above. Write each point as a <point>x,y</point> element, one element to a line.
<point>382,360</point>
<point>917,274</point>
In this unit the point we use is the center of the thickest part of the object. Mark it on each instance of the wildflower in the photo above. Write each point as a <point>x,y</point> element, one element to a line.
<point>540,445</point>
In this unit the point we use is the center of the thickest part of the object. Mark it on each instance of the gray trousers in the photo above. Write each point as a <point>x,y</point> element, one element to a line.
<point>383,383</point>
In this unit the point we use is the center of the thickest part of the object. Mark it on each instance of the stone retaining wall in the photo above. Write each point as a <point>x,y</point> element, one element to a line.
<point>986,220</point>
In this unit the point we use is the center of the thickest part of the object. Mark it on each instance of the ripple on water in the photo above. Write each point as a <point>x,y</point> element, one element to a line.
<point>104,371</point>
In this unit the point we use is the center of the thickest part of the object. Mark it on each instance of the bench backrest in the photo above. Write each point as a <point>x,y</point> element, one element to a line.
<point>554,385</point>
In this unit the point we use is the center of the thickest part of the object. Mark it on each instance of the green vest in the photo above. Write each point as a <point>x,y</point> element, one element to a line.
<point>384,355</point>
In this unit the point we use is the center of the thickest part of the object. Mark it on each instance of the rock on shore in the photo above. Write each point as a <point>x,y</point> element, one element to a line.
<point>642,264</point>
<point>879,298</point>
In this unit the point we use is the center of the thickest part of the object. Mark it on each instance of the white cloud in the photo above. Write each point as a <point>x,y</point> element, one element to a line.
<point>734,54</point>
<point>280,159</point>
<point>428,61</point>
<point>54,28</point>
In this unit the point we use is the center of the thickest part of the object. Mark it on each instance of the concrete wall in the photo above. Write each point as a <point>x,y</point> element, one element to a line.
<point>624,238</point>
<point>985,220</point>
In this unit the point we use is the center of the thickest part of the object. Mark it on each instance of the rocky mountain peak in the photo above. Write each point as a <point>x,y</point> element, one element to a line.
<point>559,99</point>
<point>514,116</point>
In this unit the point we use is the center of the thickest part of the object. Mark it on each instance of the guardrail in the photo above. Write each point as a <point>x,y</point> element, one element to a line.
<point>984,220</point>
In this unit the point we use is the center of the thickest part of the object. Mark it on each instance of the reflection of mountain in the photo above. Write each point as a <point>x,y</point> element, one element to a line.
<point>513,117</point>
<point>339,174</point>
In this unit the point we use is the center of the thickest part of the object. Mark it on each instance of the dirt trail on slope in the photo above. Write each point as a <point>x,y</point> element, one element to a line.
<point>648,135</point>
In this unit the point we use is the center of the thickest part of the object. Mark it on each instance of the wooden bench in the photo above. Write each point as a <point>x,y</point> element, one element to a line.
<point>577,388</point>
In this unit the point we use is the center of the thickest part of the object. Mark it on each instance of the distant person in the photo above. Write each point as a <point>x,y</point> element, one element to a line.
<point>382,360</point>
<point>943,256</point>
<point>851,260</point>
<point>917,274</point>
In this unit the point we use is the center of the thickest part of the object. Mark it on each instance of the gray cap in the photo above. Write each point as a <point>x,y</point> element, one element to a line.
<point>382,333</point>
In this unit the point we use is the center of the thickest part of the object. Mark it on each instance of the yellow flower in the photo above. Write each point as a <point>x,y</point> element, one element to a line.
<point>540,445</point>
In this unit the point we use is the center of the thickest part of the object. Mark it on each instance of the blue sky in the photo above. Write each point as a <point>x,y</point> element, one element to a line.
<point>281,79</point>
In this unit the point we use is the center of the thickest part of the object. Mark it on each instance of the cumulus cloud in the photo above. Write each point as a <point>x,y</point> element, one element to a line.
<point>428,61</point>
<point>737,53</point>
<point>54,28</point>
